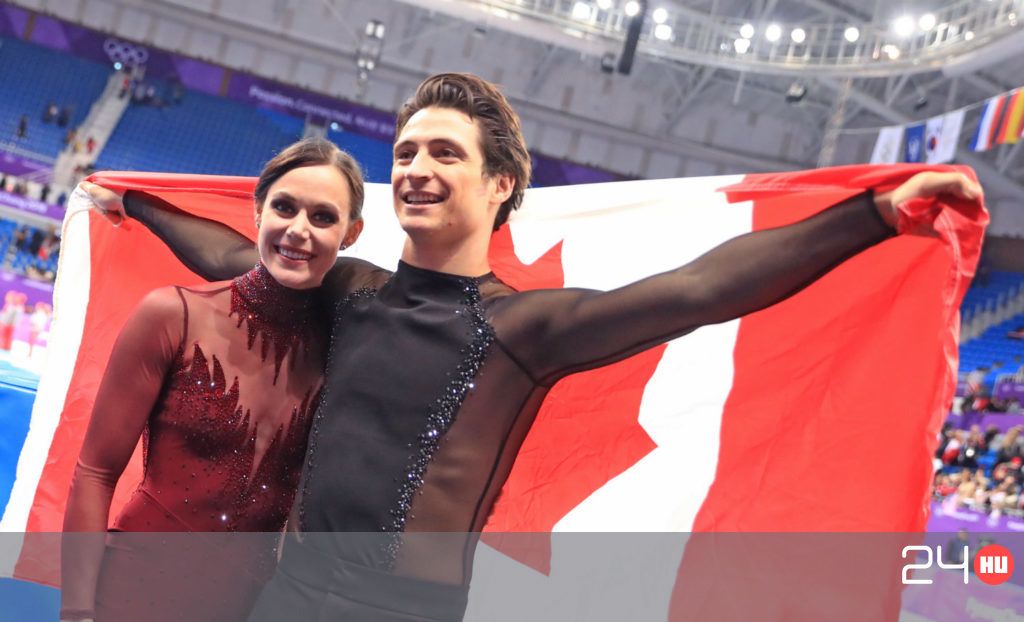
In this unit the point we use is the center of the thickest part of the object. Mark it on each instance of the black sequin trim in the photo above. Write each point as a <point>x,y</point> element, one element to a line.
<point>341,309</point>
<point>440,417</point>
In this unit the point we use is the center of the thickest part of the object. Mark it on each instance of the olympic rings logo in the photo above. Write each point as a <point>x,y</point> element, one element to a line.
<point>126,53</point>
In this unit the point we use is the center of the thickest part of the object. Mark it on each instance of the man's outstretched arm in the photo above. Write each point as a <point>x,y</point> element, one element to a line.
<point>564,331</point>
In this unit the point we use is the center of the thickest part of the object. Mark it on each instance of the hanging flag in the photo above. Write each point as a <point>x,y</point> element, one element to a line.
<point>914,150</point>
<point>985,135</point>
<point>887,147</point>
<point>731,428</point>
<point>942,133</point>
<point>1009,132</point>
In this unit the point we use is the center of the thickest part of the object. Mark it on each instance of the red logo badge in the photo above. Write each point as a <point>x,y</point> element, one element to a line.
<point>993,564</point>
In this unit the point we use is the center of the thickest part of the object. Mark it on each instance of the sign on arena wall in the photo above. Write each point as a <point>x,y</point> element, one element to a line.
<point>766,424</point>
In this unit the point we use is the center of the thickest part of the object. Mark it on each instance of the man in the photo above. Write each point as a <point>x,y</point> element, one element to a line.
<point>437,370</point>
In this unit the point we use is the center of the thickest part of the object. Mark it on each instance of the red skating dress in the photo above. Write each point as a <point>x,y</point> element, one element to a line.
<point>229,374</point>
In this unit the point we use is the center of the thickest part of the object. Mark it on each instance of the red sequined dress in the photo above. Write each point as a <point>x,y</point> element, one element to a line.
<point>229,375</point>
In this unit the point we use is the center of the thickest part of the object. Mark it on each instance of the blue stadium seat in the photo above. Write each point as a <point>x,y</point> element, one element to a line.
<point>34,76</point>
<point>204,134</point>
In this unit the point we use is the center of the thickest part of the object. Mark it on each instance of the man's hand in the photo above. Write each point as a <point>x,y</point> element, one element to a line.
<point>923,186</point>
<point>108,202</point>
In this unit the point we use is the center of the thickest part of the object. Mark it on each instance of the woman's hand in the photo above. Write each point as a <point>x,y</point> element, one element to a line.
<point>108,202</point>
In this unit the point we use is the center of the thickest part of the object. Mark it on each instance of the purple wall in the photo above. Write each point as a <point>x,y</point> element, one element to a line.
<point>35,291</point>
<point>32,206</point>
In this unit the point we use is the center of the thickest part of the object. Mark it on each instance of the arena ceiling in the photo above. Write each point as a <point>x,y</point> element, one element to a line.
<point>680,112</point>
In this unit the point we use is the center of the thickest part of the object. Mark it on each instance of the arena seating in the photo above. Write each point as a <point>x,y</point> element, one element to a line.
<point>994,346</point>
<point>203,134</point>
<point>373,155</point>
<point>1000,287</point>
<point>17,261</point>
<point>34,76</point>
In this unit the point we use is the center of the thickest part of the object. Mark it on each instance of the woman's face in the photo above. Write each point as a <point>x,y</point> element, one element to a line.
<point>302,224</point>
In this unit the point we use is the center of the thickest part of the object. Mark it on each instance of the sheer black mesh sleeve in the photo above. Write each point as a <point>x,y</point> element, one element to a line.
<point>553,333</point>
<point>212,250</point>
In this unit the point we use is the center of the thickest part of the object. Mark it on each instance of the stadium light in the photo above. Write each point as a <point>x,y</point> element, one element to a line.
<point>773,33</point>
<point>663,32</point>
<point>798,35</point>
<point>741,45</point>
<point>604,5</point>
<point>632,8</point>
<point>891,51</point>
<point>747,31</point>
<point>581,11</point>
<point>852,33</point>
<point>660,15</point>
<point>926,22</point>
<point>903,26</point>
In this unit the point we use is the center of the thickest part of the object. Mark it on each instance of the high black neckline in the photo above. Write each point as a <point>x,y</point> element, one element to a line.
<point>404,267</point>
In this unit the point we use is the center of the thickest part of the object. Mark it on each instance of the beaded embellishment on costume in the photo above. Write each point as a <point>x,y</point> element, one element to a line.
<point>342,307</point>
<point>440,417</point>
<point>269,309</point>
<point>212,419</point>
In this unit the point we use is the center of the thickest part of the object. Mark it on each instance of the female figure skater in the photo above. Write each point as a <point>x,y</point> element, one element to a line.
<point>221,381</point>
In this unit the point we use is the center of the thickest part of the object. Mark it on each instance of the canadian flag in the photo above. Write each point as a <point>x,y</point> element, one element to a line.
<point>814,416</point>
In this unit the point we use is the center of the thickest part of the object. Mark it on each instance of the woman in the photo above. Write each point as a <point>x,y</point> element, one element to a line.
<point>221,381</point>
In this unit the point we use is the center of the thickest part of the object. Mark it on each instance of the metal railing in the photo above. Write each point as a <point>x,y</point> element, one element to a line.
<point>835,47</point>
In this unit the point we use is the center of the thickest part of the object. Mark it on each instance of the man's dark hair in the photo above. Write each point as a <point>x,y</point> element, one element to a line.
<point>501,135</point>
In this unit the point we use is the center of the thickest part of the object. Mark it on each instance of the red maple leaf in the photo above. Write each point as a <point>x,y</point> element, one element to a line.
<point>586,432</point>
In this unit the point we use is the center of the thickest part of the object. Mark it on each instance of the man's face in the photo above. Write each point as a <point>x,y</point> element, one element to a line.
<point>438,184</point>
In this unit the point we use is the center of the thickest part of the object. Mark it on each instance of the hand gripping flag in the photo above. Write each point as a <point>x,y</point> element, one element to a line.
<point>784,421</point>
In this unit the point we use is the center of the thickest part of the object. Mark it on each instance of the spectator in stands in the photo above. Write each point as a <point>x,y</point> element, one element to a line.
<point>39,322</point>
<point>1009,445</point>
<point>20,238</point>
<point>10,315</point>
<point>49,112</point>
<point>70,136</point>
<point>22,130</point>
<point>1004,497</point>
<point>967,491</point>
<point>1017,333</point>
<point>139,93</point>
<point>64,117</point>
<point>944,485</point>
<point>954,552</point>
<point>35,242</point>
<point>1009,469</point>
<point>953,444</point>
<point>977,398</point>
<point>971,448</point>
<point>991,432</point>
<point>177,92</point>
<point>90,145</point>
